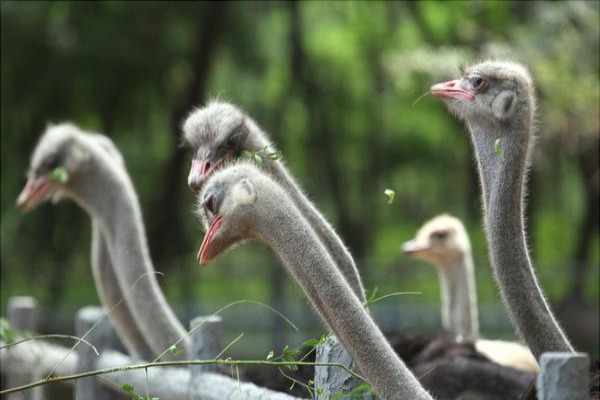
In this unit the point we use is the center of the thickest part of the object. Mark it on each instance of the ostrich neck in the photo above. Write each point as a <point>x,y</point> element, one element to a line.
<point>111,297</point>
<point>309,263</point>
<point>108,195</point>
<point>459,298</point>
<point>325,232</point>
<point>503,179</point>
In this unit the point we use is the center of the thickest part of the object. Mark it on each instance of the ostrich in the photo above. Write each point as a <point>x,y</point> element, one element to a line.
<point>444,242</point>
<point>87,168</point>
<point>497,102</point>
<point>239,203</point>
<point>221,131</point>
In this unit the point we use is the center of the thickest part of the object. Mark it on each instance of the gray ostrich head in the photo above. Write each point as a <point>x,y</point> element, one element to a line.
<point>490,93</point>
<point>217,133</point>
<point>59,160</point>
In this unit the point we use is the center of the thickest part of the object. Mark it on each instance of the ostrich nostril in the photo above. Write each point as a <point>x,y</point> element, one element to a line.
<point>206,168</point>
<point>450,84</point>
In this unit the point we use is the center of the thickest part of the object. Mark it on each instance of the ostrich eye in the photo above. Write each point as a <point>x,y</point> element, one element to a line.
<point>440,235</point>
<point>477,83</point>
<point>236,137</point>
<point>50,162</point>
<point>210,204</point>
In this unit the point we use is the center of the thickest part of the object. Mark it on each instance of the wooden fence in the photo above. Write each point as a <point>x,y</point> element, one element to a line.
<point>563,376</point>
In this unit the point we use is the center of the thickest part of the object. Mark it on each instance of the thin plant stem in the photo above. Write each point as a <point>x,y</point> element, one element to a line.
<point>177,364</point>
<point>49,336</point>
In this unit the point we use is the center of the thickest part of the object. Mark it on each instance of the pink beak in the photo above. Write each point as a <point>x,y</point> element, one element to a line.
<point>34,192</point>
<point>198,173</point>
<point>451,90</point>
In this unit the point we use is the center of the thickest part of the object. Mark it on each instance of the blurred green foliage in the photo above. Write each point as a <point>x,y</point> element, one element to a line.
<point>333,83</point>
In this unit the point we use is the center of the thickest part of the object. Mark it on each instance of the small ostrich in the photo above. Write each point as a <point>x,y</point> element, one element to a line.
<point>220,132</point>
<point>241,202</point>
<point>497,102</point>
<point>444,242</point>
<point>87,168</point>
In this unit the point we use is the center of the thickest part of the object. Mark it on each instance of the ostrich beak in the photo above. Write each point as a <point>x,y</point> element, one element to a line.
<point>204,255</point>
<point>412,248</point>
<point>35,192</point>
<point>451,90</point>
<point>200,171</point>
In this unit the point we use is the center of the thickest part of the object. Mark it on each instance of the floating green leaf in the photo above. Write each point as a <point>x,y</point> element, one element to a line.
<point>175,351</point>
<point>390,195</point>
<point>59,175</point>
<point>497,147</point>
<point>270,355</point>
<point>258,158</point>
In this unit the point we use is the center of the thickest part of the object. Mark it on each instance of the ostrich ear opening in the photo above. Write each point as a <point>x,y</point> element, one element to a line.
<point>244,192</point>
<point>503,105</point>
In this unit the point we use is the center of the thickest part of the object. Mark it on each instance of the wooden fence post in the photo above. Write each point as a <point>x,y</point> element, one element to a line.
<point>331,380</point>
<point>206,341</point>
<point>103,337</point>
<point>563,376</point>
<point>22,315</point>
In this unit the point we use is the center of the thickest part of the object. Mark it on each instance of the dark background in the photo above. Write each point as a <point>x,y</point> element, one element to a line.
<point>334,85</point>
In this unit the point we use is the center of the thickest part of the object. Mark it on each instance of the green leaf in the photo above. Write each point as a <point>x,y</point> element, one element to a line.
<point>311,343</point>
<point>390,195</point>
<point>248,154</point>
<point>497,147</point>
<point>270,355</point>
<point>258,159</point>
<point>7,333</point>
<point>289,353</point>
<point>175,351</point>
<point>373,297</point>
<point>275,155</point>
<point>59,175</point>
<point>320,390</point>
<point>127,387</point>
<point>358,392</point>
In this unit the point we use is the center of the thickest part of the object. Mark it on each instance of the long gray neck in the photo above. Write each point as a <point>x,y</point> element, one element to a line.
<point>325,232</point>
<point>112,298</point>
<point>459,297</point>
<point>307,260</point>
<point>503,181</point>
<point>106,192</point>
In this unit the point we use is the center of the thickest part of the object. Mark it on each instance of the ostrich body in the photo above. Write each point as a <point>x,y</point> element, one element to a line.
<point>497,102</point>
<point>444,242</point>
<point>240,203</point>
<point>100,184</point>
<point>221,131</point>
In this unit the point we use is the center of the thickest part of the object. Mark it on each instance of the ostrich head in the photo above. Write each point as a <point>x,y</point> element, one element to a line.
<point>496,92</point>
<point>216,133</point>
<point>228,207</point>
<point>59,160</point>
<point>441,240</point>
